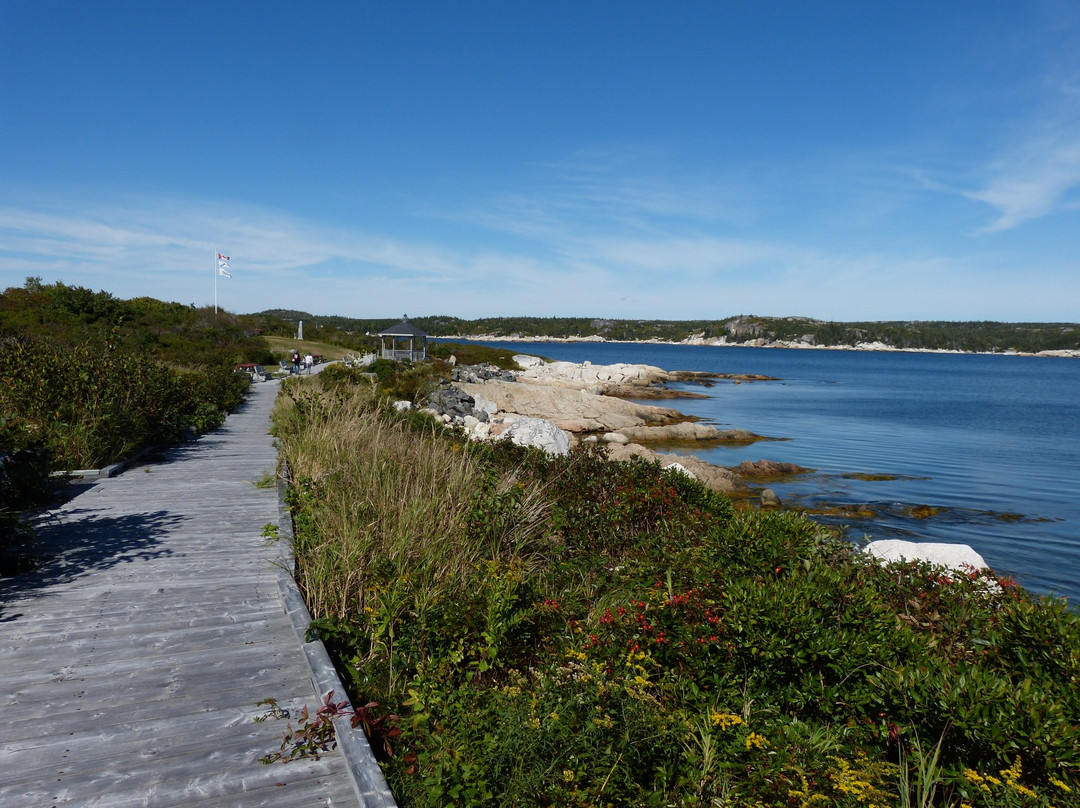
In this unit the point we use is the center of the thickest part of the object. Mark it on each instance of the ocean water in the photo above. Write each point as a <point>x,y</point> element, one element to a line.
<point>990,445</point>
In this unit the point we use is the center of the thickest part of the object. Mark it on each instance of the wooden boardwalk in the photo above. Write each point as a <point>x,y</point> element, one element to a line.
<point>132,661</point>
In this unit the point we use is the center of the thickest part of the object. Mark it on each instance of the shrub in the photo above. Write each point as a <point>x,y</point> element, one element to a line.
<point>89,404</point>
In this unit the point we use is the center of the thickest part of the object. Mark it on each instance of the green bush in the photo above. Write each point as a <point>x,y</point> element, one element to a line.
<point>89,378</point>
<point>90,404</point>
<point>406,381</point>
<point>473,353</point>
<point>24,484</point>
<point>337,376</point>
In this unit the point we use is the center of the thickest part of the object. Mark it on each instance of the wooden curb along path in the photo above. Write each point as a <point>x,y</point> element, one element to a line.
<point>133,659</point>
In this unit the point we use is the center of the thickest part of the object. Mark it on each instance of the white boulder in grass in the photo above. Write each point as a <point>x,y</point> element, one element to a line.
<point>540,433</point>
<point>959,557</point>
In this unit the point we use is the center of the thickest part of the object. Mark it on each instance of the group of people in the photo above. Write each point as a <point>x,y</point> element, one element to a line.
<point>299,363</point>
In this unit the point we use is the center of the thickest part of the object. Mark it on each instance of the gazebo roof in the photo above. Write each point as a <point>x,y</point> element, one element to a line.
<point>403,329</point>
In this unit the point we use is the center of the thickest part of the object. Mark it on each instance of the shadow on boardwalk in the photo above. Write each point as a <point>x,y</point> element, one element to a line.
<point>82,543</point>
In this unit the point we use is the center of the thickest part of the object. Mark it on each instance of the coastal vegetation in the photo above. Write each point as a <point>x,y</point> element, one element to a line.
<point>570,630</point>
<point>88,379</point>
<point>982,336</point>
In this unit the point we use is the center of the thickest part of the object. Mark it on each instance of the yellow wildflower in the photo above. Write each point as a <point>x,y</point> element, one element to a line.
<point>754,740</point>
<point>1021,788</point>
<point>724,720</point>
<point>1013,772</point>
<point>1060,784</point>
<point>848,782</point>
<point>568,775</point>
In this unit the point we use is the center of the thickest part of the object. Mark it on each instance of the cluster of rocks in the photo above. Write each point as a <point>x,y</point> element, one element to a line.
<point>555,405</point>
<point>478,374</point>
<point>481,419</point>
<point>452,405</point>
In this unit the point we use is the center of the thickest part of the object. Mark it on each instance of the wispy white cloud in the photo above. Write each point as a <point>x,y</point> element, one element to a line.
<point>587,248</point>
<point>1037,171</point>
<point>701,257</point>
<point>1035,178</point>
<point>138,246</point>
<point>619,191</point>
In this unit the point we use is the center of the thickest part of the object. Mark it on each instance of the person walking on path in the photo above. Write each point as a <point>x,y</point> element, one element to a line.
<point>295,362</point>
<point>309,362</point>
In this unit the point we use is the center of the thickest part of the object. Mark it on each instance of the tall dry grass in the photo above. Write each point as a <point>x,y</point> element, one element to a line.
<point>384,502</point>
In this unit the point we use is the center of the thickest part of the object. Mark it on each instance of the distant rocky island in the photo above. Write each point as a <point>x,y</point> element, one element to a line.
<point>1042,339</point>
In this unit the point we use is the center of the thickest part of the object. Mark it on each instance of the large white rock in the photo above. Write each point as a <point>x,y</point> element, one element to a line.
<point>540,433</point>
<point>524,361</point>
<point>587,375</point>
<point>481,404</point>
<point>960,557</point>
<point>571,409</point>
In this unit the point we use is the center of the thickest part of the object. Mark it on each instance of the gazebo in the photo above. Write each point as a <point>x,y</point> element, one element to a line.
<point>393,341</point>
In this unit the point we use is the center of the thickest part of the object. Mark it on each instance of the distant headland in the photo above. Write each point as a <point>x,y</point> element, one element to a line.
<point>1038,339</point>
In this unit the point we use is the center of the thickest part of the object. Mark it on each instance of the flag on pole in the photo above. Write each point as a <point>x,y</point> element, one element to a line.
<point>223,265</point>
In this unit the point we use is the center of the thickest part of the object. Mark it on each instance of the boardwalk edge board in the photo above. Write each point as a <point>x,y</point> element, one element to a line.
<point>364,772</point>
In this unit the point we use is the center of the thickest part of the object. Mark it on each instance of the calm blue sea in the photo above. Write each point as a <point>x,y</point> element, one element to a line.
<point>992,441</point>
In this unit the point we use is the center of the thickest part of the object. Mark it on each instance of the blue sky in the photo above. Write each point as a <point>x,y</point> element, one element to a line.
<point>677,160</point>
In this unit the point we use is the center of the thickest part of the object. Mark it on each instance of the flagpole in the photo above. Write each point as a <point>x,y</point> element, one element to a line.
<point>221,263</point>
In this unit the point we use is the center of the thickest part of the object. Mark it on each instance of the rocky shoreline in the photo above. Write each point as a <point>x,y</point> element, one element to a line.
<point>555,405</point>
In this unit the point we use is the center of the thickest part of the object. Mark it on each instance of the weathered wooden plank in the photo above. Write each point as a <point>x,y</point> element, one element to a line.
<point>105,701</point>
<point>167,678</point>
<point>219,778</point>
<point>110,663</point>
<point>117,748</point>
<point>242,616</point>
<point>156,637</point>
